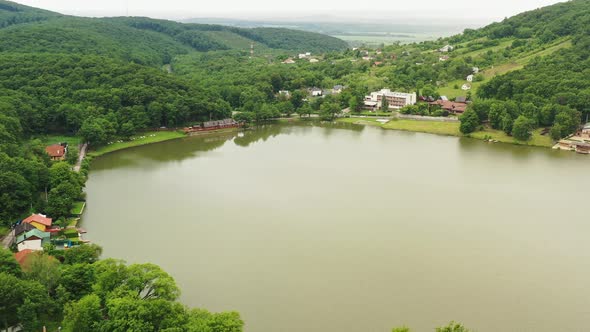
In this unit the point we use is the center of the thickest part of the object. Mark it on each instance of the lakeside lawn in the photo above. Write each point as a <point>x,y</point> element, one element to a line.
<point>158,136</point>
<point>536,140</point>
<point>77,208</point>
<point>432,127</point>
<point>55,139</point>
<point>452,129</point>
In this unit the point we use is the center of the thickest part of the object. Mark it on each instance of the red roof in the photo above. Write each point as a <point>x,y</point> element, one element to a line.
<point>55,151</point>
<point>38,218</point>
<point>451,106</point>
<point>21,256</point>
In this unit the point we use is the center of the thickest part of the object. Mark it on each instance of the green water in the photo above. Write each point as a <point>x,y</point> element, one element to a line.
<point>346,228</point>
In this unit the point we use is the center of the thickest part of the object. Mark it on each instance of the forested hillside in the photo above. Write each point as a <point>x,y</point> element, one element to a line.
<point>141,40</point>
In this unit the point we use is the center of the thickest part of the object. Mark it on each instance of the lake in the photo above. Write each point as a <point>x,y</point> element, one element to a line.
<point>346,228</point>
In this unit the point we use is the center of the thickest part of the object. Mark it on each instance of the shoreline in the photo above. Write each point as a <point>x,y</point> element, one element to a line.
<point>450,129</point>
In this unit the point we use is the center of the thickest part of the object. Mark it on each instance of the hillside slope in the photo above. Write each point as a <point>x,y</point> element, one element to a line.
<point>141,40</point>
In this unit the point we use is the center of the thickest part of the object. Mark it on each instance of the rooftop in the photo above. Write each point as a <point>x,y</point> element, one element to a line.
<point>55,151</point>
<point>38,218</point>
<point>21,256</point>
<point>34,233</point>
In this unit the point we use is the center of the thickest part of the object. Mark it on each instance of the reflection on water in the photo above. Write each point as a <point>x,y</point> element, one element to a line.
<point>338,227</point>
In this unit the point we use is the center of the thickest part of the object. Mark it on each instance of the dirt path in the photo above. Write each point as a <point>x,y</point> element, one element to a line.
<point>81,156</point>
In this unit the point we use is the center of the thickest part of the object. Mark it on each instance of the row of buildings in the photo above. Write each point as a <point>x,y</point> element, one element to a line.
<point>38,230</point>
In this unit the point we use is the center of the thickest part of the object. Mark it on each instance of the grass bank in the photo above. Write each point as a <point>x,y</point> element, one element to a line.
<point>452,129</point>
<point>138,140</point>
<point>55,139</point>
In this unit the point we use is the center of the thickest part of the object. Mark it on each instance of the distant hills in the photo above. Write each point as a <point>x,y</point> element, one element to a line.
<point>147,41</point>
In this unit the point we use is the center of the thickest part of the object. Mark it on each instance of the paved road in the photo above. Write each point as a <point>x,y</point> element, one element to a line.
<point>81,156</point>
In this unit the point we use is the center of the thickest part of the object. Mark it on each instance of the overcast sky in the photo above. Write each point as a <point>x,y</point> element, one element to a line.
<point>460,10</point>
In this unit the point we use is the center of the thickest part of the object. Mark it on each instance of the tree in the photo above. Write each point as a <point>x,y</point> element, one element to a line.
<point>76,281</point>
<point>127,130</point>
<point>507,123</point>
<point>44,269</point>
<point>522,128</point>
<point>452,327</point>
<point>556,131</point>
<point>329,110</point>
<point>304,110</point>
<point>72,156</point>
<point>353,104</point>
<point>8,263</point>
<point>400,329</point>
<point>384,104</point>
<point>149,281</point>
<point>61,199</point>
<point>82,254</point>
<point>15,197</point>
<point>469,121</point>
<point>244,117</point>
<point>84,315</point>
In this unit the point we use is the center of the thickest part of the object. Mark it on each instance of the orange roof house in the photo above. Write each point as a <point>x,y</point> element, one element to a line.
<point>40,221</point>
<point>56,151</point>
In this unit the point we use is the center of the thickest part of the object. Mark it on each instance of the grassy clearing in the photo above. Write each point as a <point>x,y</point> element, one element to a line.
<point>452,129</point>
<point>159,136</point>
<point>501,46</point>
<point>54,139</point>
<point>433,127</point>
<point>77,208</point>
<point>73,222</point>
<point>362,121</point>
<point>500,136</point>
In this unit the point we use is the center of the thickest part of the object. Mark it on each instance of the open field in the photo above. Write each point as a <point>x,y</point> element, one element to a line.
<point>159,136</point>
<point>433,127</point>
<point>450,91</point>
<point>54,139</point>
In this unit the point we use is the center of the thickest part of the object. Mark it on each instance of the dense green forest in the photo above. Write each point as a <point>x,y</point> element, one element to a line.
<point>77,291</point>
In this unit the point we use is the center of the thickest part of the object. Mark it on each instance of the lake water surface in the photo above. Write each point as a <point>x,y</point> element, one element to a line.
<point>348,229</point>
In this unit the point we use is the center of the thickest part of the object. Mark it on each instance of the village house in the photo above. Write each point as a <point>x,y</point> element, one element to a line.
<point>33,240</point>
<point>315,92</point>
<point>368,58</point>
<point>446,48</point>
<point>289,61</point>
<point>314,60</point>
<point>57,152</point>
<point>475,70</point>
<point>585,131</point>
<point>466,87</point>
<point>39,221</point>
<point>461,99</point>
<point>396,100</point>
<point>285,93</point>
<point>443,58</point>
<point>304,55</point>
<point>452,107</point>
<point>469,78</point>
<point>337,89</point>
